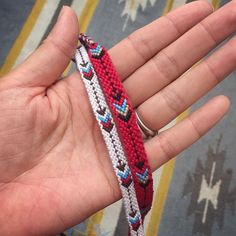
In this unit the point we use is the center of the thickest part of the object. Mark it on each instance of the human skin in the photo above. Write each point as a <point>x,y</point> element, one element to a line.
<point>54,167</point>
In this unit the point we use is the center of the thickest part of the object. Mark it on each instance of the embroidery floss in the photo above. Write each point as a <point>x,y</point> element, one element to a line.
<point>109,131</point>
<point>125,119</point>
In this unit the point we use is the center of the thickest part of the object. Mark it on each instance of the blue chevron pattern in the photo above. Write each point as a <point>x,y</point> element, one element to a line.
<point>104,119</point>
<point>87,69</point>
<point>123,108</point>
<point>124,174</point>
<point>97,52</point>
<point>97,49</point>
<point>134,220</point>
<point>143,177</point>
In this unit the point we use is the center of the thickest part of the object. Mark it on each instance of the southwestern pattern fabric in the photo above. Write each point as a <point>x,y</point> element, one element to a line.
<point>194,194</point>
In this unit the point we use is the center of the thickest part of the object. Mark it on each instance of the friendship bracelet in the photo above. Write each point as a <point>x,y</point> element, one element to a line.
<point>109,131</point>
<point>125,119</point>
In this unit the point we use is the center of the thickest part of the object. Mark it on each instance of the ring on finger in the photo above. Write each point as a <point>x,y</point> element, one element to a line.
<point>148,133</point>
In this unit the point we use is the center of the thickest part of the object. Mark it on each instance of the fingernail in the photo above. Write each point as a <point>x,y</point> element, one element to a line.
<point>61,13</point>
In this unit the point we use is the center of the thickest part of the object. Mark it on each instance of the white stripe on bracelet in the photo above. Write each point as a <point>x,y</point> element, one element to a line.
<point>108,128</point>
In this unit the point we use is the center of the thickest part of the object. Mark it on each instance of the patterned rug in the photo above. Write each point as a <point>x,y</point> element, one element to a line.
<point>195,194</point>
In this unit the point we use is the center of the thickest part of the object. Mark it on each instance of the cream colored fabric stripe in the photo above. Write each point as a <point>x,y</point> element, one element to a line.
<point>38,31</point>
<point>178,3</point>
<point>111,216</point>
<point>41,26</point>
<point>78,6</point>
<point>22,37</point>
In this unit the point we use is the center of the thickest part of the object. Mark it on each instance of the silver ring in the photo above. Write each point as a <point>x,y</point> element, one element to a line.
<point>145,130</point>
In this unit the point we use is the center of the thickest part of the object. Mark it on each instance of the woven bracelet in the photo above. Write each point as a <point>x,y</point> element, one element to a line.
<point>125,119</point>
<point>108,129</point>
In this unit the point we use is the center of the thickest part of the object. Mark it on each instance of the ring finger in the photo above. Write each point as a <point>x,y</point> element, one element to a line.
<point>164,106</point>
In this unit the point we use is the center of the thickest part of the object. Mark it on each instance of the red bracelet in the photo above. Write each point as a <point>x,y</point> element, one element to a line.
<point>125,119</point>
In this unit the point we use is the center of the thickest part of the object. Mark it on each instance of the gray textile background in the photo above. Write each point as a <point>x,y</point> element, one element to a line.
<point>183,211</point>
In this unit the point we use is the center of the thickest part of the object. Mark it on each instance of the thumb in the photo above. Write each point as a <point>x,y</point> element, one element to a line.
<point>47,63</point>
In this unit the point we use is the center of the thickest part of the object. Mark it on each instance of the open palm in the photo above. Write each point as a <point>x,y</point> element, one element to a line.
<point>54,167</point>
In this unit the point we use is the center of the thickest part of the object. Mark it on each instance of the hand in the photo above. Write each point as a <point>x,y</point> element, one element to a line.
<point>54,167</point>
